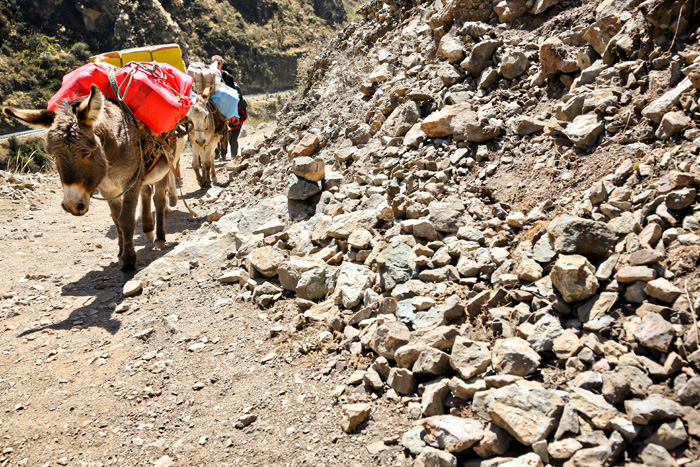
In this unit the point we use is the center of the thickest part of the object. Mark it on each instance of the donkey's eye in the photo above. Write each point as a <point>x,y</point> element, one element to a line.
<point>85,156</point>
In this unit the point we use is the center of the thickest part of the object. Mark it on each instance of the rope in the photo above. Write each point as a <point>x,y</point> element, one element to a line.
<point>152,139</point>
<point>133,180</point>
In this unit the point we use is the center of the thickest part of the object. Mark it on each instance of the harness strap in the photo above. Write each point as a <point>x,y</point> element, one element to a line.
<point>162,141</point>
<point>133,180</point>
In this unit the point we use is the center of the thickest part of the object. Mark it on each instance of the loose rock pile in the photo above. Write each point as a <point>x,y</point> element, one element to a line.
<point>524,332</point>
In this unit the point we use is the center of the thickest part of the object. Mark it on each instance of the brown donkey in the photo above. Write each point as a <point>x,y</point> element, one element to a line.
<point>97,145</point>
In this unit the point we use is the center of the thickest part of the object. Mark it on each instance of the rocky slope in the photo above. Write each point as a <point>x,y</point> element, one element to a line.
<point>498,205</point>
<point>488,212</point>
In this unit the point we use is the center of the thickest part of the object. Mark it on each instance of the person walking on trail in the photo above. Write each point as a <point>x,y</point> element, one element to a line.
<point>234,124</point>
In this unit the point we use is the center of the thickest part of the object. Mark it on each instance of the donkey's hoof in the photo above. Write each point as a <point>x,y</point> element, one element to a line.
<point>150,235</point>
<point>127,264</point>
<point>159,244</point>
<point>173,201</point>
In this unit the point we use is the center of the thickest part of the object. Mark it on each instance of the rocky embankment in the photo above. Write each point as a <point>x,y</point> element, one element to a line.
<point>496,206</point>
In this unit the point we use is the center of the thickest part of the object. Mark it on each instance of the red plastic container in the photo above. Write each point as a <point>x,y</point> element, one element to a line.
<point>157,93</point>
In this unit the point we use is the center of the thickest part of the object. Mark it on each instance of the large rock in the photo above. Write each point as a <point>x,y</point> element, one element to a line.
<point>594,312</point>
<point>397,264</point>
<point>353,280</point>
<point>444,218</point>
<point>585,130</point>
<point>460,122</point>
<point>290,271</point>
<point>655,332</point>
<point>589,404</point>
<point>452,434</point>
<point>481,54</point>
<point>389,337</point>
<point>574,278</point>
<point>452,48</point>
<point>555,58</point>
<point>510,10</point>
<point>574,235</point>
<point>439,124</point>
<point>658,108</point>
<point>600,32</point>
<point>401,119</point>
<point>307,146</point>
<point>495,442</point>
<point>470,358</point>
<point>653,408</point>
<point>354,415</point>
<point>513,64</point>
<point>528,415</point>
<point>266,260</point>
<point>468,126</point>
<point>514,356</point>
<point>671,124</point>
<point>300,189</point>
<point>345,224</point>
<point>309,168</point>
<point>544,332</point>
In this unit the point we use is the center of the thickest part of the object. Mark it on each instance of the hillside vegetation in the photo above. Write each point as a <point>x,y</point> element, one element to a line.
<point>40,41</point>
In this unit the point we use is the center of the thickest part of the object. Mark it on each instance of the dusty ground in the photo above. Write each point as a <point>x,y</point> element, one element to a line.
<point>83,384</point>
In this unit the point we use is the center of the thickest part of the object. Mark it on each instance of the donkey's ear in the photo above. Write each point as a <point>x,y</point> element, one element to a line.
<point>35,118</point>
<point>206,93</point>
<point>89,110</point>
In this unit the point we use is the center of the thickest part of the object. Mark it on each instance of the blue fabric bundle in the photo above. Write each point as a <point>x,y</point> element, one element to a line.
<point>226,100</point>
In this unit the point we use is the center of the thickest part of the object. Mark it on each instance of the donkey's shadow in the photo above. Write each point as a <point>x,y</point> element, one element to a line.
<point>103,287</point>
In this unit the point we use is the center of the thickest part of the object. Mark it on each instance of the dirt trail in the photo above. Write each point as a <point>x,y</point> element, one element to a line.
<point>84,384</point>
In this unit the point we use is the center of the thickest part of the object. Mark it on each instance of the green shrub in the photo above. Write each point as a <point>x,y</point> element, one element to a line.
<point>27,157</point>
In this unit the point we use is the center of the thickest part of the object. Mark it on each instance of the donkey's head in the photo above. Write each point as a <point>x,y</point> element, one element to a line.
<point>80,158</point>
<point>201,119</point>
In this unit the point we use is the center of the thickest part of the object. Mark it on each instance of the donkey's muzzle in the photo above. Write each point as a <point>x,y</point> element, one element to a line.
<point>76,200</point>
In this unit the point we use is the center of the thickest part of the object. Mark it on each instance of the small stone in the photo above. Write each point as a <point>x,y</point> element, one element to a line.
<point>635,273</point>
<point>245,420</point>
<point>401,380</point>
<point>354,415</point>
<point>564,448</point>
<point>655,332</point>
<point>662,289</point>
<point>495,442</point>
<point>574,278</point>
<point>132,288</point>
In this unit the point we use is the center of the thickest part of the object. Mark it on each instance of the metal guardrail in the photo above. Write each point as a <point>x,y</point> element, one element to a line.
<point>23,134</point>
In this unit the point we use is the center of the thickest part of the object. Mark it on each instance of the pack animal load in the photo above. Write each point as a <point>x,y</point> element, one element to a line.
<point>226,101</point>
<point>165,53</point>
<point>158,94</point>
<point>204,76</point>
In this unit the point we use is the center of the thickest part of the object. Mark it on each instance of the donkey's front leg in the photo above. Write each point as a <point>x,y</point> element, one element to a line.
<point>127,223</point>
<point>159,201</point>
<point>115,208</point>
<point>208,162</point>
<point>196,168</point>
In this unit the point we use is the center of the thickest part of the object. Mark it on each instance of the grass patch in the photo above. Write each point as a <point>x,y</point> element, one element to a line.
<point>24,157</point>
